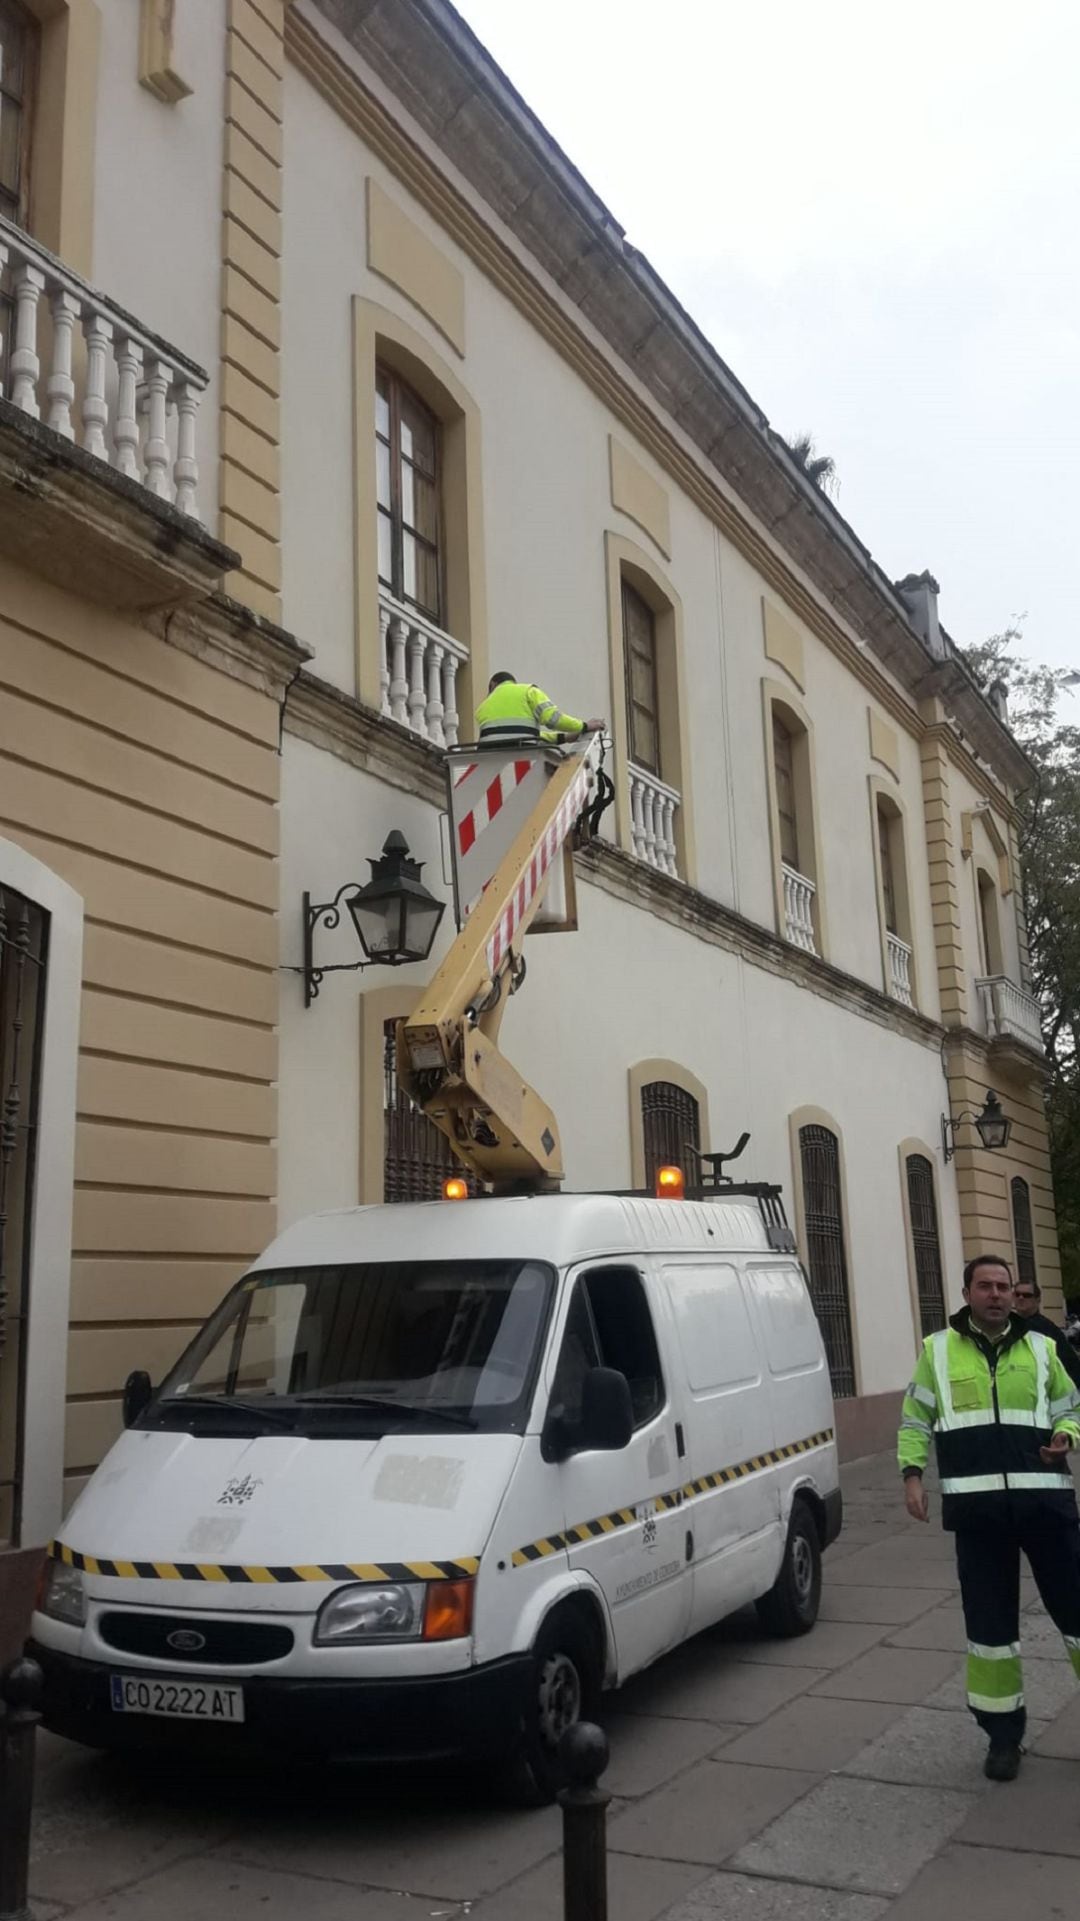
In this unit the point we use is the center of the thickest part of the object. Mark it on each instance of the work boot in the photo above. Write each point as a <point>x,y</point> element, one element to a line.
<point>1002,1763</point>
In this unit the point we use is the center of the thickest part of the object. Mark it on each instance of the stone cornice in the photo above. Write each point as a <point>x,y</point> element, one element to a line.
<point>231,637</point>
<point>321,714</point>
<point>720,448</point>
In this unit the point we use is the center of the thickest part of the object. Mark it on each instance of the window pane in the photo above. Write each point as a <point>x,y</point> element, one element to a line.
<point>417,433</point>
<point>627,1341</point>
<point>420,574</point>
<point>1023,1233</point>
<point>643,740</point>
<point>785,795</point>
<point>642,682</point>
<point>929,1276</point>
<point>10,139</point>
<point>576,1356</point>
<point>887,888</point>
<point>419,503</point>
<point>382,405</point>
<point>382,473</point>
<point>671,1127</point>
<point>386,550</point>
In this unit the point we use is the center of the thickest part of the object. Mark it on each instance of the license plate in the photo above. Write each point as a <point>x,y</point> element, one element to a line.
<point>176,1700</point>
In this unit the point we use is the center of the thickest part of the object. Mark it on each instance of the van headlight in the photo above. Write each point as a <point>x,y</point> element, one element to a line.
<point>63,1594</point>
<point>394,1612</point>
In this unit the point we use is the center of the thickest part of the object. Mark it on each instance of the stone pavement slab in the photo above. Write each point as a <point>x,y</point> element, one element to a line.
<point>1062,1737</point>
<point>116,1852</point>
<point>746,1897</point>
<point>813,1733</point>
<point>647,1750</point>
<point>1049,1686</point>
<point>864,1835</point>
<point>871,1567</point>
<point>991,1884</point>
<point>893,1606</point>
<point>928,1747</point>
<point>706,1813</point>
<point>704,1683</point>
<point>206,1888</point>
<point>831,1644</point>
<point>890,1674</point>
<point>456,1853</point>
<point>638,1890</point>
<point>942,1627</point>
<point>1040,1812</point>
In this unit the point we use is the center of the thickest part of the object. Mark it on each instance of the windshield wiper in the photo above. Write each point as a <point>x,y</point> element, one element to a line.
<point>385,1403</point>
<point>228,1404</point>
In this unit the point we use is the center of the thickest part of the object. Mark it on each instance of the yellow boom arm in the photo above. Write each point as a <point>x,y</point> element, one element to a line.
<point>448,1057</point>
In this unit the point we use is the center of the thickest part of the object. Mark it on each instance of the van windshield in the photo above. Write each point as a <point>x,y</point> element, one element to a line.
<point>364,1349</point>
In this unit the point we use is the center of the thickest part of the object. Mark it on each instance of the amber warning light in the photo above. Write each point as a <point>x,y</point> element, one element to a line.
<point>670,1185</point>
<point>455,1189</point>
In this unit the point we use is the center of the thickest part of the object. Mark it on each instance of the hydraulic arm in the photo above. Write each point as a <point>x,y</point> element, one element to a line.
<point>448,1055</point>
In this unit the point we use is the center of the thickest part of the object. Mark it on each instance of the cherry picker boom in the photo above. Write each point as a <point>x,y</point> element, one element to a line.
<point>448,1056</point>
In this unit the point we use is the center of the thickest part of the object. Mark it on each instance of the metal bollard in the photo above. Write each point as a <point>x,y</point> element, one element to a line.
<point>583,1756</point>
<point>20,1693</point>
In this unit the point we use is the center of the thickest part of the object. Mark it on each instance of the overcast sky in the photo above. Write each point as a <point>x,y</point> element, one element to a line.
<point>873,212</point>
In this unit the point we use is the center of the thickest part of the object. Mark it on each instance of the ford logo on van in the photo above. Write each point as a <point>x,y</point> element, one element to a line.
<point>185,1640</point>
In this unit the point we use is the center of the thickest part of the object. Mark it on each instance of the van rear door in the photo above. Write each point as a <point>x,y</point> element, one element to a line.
<point>735,1509</point>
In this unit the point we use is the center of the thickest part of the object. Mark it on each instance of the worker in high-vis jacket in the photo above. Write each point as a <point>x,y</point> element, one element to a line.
<point>1003,1414</point>
<point>518,710</point>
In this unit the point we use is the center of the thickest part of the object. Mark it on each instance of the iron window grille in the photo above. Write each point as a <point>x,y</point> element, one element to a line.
<point>826,1255</point>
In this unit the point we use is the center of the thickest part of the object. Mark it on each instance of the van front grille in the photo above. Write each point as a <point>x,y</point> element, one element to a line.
<point>185,1637</point>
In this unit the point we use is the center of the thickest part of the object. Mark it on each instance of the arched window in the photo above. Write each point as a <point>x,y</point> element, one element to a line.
<point>826,1254</point>
<point>671,1123</point>
<point>417,1157</point>
<point>792,827</point>
<point>1023,1233</point>
<point>926,1243</point>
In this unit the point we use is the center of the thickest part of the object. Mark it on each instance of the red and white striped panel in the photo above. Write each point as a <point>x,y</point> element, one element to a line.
<point>533,879</point>
<point>491,802</point>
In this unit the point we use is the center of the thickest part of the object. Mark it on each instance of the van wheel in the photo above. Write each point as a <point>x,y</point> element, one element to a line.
<point>791,1605</point>
<point>564,1688</point>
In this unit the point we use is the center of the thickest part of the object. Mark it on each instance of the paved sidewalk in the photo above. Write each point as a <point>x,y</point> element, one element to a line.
<point>833,1778</point>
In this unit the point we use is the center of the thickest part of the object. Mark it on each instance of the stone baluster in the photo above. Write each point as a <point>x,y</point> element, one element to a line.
<point>98,333</point>
<point>668,835</point>
<point>384,660</point>
<point>186,469</point>
<point>637,818</point>
<point>433,713</point>
<point>60,386</point>
<point>25,365</point>
<point>156,453</point>
<point>450,712</point>
<point>648,811</point>
<point>399,682</point>
<point>417,692</point>
<point>129,360</point>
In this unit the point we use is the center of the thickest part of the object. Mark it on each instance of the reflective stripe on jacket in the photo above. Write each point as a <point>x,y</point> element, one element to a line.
<point>990,1408</point>
<point>517,706</point>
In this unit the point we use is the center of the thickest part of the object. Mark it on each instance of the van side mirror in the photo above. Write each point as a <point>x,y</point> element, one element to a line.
<point>137,1393</point>
<point>607,1412</point>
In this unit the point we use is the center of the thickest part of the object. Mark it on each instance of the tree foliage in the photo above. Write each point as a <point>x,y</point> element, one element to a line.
<point>1050,851</point>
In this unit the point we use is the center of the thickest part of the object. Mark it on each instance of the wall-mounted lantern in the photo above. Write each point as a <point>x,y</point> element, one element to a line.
<point>992,1125</point>
<point>395,917</point>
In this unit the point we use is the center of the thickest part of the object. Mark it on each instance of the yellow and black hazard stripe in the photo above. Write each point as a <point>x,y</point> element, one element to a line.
<point>625,1516</point>
<point>724,1475</point>
<point>211,1571</point>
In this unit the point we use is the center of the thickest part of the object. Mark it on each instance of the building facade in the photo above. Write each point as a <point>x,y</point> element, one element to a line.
<point>400,406</point>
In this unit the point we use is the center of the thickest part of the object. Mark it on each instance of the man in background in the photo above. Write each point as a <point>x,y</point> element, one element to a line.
<point>1027,1302</point>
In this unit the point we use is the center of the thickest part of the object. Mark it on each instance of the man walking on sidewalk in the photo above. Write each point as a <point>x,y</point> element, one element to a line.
<point>1002,1411</point>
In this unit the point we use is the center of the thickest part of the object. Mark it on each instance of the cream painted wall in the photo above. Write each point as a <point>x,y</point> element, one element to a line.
<point>157,197</point>
<point>546,507</point>
<point>763,1047</point>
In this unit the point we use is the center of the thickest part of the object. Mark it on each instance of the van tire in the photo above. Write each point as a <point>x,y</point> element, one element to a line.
<point>792,1603</point>
<point>564,1687</point>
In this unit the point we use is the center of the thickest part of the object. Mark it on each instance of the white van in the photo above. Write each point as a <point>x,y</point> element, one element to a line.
<point>434,1476</point>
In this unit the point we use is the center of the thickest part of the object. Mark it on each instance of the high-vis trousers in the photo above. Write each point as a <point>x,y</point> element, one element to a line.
<point>988,1561</point>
